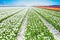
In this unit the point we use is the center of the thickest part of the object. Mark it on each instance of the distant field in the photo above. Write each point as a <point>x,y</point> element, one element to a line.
<point>29,23</point>
<point>50,7</point>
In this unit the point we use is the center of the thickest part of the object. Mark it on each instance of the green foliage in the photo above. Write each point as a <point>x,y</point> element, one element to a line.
<point>36,30</point>
<point>9,28</point>
<point>52,17</point>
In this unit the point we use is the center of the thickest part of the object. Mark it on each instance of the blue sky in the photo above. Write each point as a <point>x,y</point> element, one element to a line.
<point>29,2</point>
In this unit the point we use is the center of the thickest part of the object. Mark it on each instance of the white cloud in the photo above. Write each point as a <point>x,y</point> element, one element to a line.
<point>36,2</point>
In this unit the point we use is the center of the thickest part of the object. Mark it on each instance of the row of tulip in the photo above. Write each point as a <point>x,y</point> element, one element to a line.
<point>7,12</point>
<point>52,17</point>
<point>9,28</point>
<point>36,30</point>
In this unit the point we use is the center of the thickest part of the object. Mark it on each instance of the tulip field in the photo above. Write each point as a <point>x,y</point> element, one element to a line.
<point>52,17</point>
<point>12,19</point>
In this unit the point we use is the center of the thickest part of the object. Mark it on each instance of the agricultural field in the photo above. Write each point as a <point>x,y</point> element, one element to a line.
<point>56,8</point>
<point>29,23</point>
<point>52,16</point>
<point>36,30</point>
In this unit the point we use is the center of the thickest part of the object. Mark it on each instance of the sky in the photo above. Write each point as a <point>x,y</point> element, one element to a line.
<point>29,2</point>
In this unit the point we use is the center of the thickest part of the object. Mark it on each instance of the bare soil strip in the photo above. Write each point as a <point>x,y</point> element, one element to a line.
<point>51,28</point>
<point>21,34</point>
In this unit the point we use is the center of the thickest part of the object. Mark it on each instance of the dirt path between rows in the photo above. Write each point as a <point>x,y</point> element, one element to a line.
<point>22,30</point>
